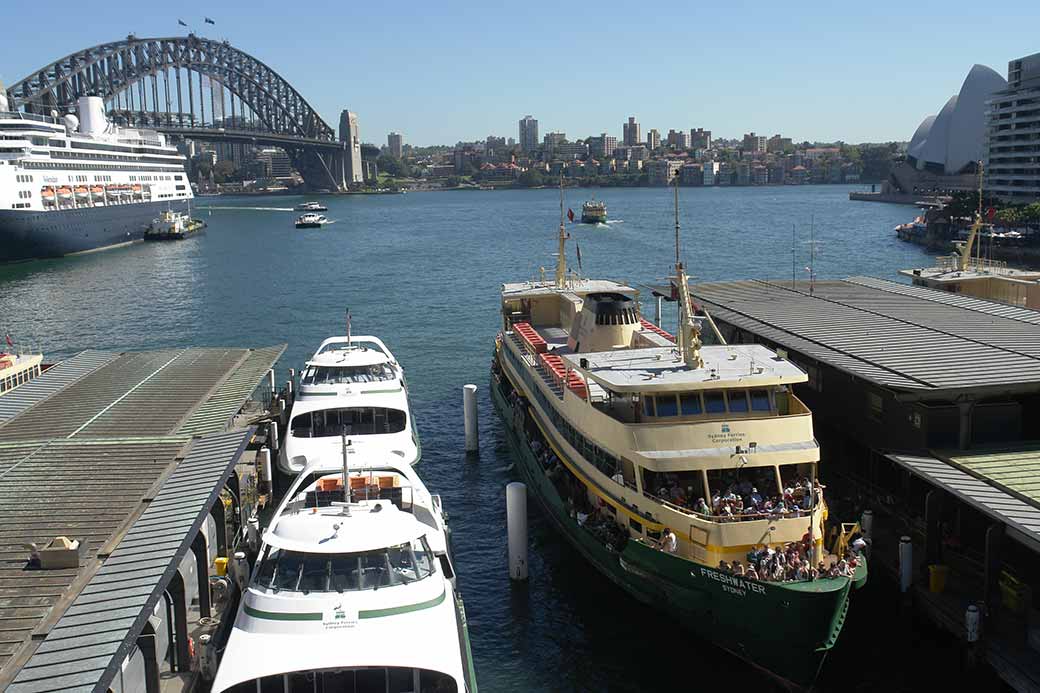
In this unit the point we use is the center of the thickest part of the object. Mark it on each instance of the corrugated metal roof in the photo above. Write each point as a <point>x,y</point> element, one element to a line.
<point>891,334</point>
<point>86,647</point>
<point>1015,471</point>
<point>1021,518</point>
<point>52,380</point>
<point>216,413</point>
<point>82,489</point>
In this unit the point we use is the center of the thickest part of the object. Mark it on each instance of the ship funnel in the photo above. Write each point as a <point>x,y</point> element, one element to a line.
<point>606,321</point>
<point>3,98</point>
<point>92,120</point>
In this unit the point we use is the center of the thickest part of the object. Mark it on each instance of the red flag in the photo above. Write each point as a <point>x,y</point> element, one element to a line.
<point>570,214</point>
<point>10,344</point>
<point>990,213</point>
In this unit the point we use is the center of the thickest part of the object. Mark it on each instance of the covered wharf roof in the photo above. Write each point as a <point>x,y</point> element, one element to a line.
<point>84,449</point>
<point>897,336</point>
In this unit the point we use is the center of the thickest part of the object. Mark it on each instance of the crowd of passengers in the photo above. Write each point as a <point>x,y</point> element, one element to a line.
<point>740,499</point>
<point>791,562</point>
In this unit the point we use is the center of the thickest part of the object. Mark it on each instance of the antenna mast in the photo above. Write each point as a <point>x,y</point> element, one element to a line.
<point>689,337</point>
<point>561,259</point>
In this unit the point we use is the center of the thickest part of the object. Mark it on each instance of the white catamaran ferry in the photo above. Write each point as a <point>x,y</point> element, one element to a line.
<point>80,183</point>
<point>352,592</point>
<point>351,385</point>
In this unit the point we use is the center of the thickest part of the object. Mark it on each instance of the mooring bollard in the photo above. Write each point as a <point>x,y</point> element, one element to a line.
<point>906,563</point>
<point>272,433</point>
<point>469,414</point>
<point>289,390</point>
<point>265,470</point>
<point>971,624</point>
<point>270,381</point>
<point>516,529</point>
<point>866,523</point>
<point>657,312</point>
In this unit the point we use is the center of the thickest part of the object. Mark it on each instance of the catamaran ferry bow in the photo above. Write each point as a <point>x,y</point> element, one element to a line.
<point>80,183</point>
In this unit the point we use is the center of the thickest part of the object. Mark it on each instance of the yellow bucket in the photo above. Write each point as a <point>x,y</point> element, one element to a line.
<point>221,565</point>
<point>937,578</point>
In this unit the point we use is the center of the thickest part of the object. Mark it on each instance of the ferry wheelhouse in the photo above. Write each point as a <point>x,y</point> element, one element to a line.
<point>353,591</point>
<point>666,462</point>
<point>81,183</point>
<point>351,385</point>
<point>18,369</point>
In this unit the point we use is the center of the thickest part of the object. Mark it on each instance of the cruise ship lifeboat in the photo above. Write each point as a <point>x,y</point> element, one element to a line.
<point>82,193</point>
<point>48,196</point>
<point>97,191</point>
<point>137,189</point>
<point>65,193</point>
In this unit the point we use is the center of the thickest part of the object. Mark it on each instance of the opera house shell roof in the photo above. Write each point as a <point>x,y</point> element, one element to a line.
<point>953,140</point>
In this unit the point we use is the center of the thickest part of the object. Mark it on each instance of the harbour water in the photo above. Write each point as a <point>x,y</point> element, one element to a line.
<point>423,271</point>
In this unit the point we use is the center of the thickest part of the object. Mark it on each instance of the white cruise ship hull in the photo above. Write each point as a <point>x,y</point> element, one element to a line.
<point>34,234</point>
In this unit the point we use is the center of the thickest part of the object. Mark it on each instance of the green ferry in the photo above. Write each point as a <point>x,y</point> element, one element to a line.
<point>684,472</point>
<point>594,212</point>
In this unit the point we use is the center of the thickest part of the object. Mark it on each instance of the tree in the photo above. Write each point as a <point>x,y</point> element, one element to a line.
<point>453,182</point>
<point>531,178</point>
<point>393,166</point>
<point>224,171</point>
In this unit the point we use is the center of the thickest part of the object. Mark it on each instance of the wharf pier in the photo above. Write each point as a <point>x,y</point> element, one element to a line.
<point>147,460</point>
<point>925,405</point>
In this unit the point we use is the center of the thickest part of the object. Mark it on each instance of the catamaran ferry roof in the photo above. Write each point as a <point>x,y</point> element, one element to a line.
<point>372,526</point>
<point>662,369</point>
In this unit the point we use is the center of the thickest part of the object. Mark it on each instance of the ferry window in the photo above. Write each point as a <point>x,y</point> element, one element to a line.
<point>330,375</point>
<point>666,405</point>
<point>714,402</point>
<point>760,400</point>
<point>737,401</point>
<point>352,421</point>
<point>315,576</point>
<point>287,570</point>
<point>648,405</point>
<point>691,403</point>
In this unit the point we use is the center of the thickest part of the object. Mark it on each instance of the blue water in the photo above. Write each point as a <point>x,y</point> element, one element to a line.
<point>423,271</point>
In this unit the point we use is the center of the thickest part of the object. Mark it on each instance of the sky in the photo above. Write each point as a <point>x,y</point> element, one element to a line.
<point>441,72</point>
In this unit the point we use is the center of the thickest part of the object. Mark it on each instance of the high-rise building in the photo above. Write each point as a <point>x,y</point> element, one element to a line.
<point>528,134</point>
<point>348,133</point>
<point>663,171</point>
<point>632,133</point>
<point>395,142</point>
<point>653,139</point>
<point>700,138</point>
<point>678,139</point>
<point>551,141</point>
<point>602,146</point>
<point>1012,161</point>
<point>755,144</point>
<point>778,144</point>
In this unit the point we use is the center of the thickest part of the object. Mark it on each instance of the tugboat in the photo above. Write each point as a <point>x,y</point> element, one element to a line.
<point>594,212</point>
<point>173,226</point>
<point>311,221</point>
<point>684,472</point>
<point>311,207</point>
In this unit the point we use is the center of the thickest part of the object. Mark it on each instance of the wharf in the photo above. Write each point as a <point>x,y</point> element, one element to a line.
<point>134,455</point>
<point>924,405</point>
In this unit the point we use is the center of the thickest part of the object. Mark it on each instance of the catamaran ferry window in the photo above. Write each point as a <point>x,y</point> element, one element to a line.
<point>295,571</point>
<point>351,421</point>
<point>366,680</point>
<point>363,343</point>
<point>339,375</point>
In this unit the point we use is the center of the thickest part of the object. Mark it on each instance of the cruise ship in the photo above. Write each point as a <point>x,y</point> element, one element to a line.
<point>80,183</point>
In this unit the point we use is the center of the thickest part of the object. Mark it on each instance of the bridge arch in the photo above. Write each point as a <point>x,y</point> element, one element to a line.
<point>115,71</point>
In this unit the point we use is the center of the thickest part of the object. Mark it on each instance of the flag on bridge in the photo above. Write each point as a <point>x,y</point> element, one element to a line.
<point>181,22</point>
<point>209,21</point>
<point>570,214</point>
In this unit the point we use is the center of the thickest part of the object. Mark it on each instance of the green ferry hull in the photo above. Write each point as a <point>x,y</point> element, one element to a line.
<point>784,629</point>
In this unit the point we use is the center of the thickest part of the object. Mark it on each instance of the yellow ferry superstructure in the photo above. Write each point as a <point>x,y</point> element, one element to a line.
<point>18,369</point>
<point>618,401</point>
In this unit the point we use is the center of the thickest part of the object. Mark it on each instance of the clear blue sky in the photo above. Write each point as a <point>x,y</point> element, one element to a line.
<point>440,72</point>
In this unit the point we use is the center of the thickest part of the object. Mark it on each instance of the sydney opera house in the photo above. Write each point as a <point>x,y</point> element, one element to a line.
<point>943,153</point>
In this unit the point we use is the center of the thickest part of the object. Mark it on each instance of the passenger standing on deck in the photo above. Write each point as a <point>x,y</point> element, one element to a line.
<point>669,542</point>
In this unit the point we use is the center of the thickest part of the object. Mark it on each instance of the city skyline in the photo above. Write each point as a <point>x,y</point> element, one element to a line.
<point>856,76</point>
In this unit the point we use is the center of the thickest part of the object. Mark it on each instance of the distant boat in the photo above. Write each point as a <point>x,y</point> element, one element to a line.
<point>173,226</point>
<point>593,212</point>
<point>311,207</point>
<point>311,221</point>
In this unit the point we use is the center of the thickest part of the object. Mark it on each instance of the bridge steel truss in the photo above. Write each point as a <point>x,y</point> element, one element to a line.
<point>159,83</point>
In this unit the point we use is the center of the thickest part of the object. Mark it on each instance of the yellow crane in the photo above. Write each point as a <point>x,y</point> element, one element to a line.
<point>965,250</point>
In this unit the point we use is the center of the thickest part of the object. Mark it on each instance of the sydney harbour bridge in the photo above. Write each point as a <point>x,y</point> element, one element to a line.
<point>195,88</point>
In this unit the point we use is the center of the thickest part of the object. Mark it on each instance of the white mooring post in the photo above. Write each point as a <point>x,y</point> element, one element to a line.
<point>469,413</point>
<point>270,382</point>
<point>866,523</point>
<point>272,429</point>
<point>657,312</point>
<point>971,624</point>
<point>265,469</point>
<point>906,563</point>
<point>516,529</point>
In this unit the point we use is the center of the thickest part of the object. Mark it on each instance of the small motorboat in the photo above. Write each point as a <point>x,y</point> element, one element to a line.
<point>311,221</point>
<point>311,207</point>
